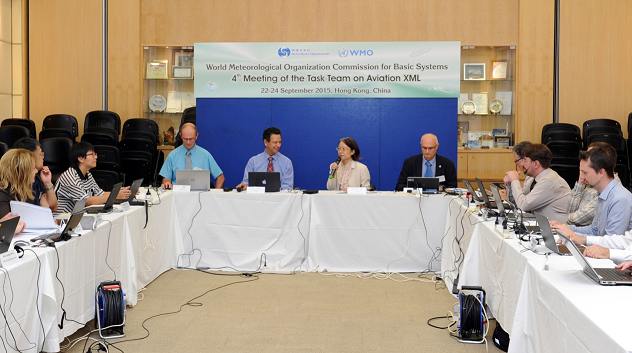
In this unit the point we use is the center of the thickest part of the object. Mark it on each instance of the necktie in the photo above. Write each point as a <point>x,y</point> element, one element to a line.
<point>187,163</point>
<point>270,166</point>
<point>428,173</point>
<point>532,186</point>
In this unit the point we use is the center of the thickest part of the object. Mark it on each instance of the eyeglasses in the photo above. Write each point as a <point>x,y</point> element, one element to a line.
<point>428,148</point>
<point>91,154</point>
<point>40,154</point>
<point>518,160</point>
<point>342,149</point>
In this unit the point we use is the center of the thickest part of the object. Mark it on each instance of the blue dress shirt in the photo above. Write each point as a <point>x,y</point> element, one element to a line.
<point>433,166</point>
<point>613,214</point>
<point>200,159</point>
<point>281,163</point>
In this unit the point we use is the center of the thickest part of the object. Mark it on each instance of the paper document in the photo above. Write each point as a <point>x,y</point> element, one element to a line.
<point>36,218</point>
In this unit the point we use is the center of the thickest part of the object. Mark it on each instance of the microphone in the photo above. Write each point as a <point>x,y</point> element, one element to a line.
<point>332,171</point>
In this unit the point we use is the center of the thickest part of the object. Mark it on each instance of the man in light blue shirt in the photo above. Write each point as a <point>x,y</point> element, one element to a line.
<point>271,160</point>
<point>614,205</point>
<point>189,156</point>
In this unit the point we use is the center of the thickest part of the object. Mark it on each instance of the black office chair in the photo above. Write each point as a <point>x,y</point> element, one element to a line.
<point>136,168</point>
<point>103,130</point>
<point>565,148</point>
<point>11,133</point>
<point>561,135</point>
<point>62,121</point>
<point>142,145</point>
<point>56,151</point>
<point>624,174</point>
<point>570,173</point>
<point>559,127</point>
<point>108,158</point>
<point>103,119</point>
<point>188,118</point>
<point>97,138</point>
<point>599,125</point>
<point>140,127</point>
<point>3,148</point>
<point>27,123</point>
<point>615,140</point>
<point>105,178</point>
<point>56,132</point>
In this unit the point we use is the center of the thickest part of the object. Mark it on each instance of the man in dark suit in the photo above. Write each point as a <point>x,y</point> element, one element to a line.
<point>428,164</point>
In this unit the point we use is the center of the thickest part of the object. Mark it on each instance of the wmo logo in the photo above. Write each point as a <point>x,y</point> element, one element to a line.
<point>284,51</point>
<point>344,52</point>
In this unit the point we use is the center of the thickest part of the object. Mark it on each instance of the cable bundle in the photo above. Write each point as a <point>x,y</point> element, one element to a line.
<point>473,327</point>
<point>110,308</point>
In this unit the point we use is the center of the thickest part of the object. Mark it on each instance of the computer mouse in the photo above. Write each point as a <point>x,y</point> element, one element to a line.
<point>239,189</point>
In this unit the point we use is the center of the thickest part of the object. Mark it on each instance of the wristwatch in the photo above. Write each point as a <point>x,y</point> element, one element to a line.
<point>49,188</point>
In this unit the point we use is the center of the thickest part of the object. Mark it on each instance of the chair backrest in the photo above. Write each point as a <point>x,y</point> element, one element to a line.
<point>142,125</point>
<point>560,127</point>
<point>139,135</point>
<point>56,151</point>
<point>565,148</point>
<point>11,133</point>
<point>617,141</point>
<point>189,110</point>
<point>188,118</point>
<point>629,124</point>
<point>103,118</point>
<point>3,148</point>
<point>97,138</point>
<point>567,172</point>
<point>62,121</point>
<point>561,135</point>
<point>107,154</point>
<point>105,178</point>
<point>136,168</point>
<point>55,132</point>
<point>27,123</point>
<point>624,174</point>
<point>601,124</point>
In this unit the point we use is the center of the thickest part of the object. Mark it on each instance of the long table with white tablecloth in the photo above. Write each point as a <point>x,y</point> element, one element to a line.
<point>554,310</point>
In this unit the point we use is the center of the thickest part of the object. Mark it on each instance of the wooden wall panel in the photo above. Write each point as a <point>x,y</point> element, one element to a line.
<point>534,85</point>
<point>124,58</point>
<point>64,58</point>
<point>595,61</point>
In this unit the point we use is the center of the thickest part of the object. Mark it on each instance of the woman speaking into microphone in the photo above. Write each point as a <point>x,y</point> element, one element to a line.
<point>347,171</point>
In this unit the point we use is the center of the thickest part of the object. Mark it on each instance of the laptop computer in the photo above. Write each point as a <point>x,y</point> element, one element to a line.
<point>472,191</point>
<point>198,179</point>
<point>108,206</point>
<point>549,238</point>
<point>7,230</point>
<point>65,233</point>
<point>603,276</point>
<point>134,189</point>
<point>270,180</point>
<point>490,204</point>
<point>428,185</point>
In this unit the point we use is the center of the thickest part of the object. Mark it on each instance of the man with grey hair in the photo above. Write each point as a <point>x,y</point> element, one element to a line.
<point>428,164</point>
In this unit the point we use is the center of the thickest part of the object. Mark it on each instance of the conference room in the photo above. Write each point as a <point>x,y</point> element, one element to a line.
<point>356,272</point>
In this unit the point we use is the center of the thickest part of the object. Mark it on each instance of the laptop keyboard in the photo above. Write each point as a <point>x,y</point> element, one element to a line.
<point>611,274</point>
<point>564,250</point>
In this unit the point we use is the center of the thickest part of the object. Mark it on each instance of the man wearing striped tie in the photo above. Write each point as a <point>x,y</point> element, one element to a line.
<point>271,160</point>
<point>189,156</point>
<point>428,164</point>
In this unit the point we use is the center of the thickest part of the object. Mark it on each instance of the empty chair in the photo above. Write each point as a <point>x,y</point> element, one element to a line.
<point>615,140</point>
<point>27,123</point>
<point>136,168</point>
<point>561,135</point>
<point>624,174</point>
<point>189,118</point>
<point>189,110</point>
<point>56,152</point>
<point>133,128</point>
<point>601,125</point>
<point>568,172</point>
<point>565,148</point>
<point>97,138</point>
<point>3,148</point>
<point>62,121</point>
<point>559,127</point>
<point>108,158</point>
<point>56,132</point>
<point>105,178</point>
<point>629,124</point>
<point>11,133</point>
<point>103,119</point>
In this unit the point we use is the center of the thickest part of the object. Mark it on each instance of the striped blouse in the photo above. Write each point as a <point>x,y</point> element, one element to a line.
<point>73,186</point>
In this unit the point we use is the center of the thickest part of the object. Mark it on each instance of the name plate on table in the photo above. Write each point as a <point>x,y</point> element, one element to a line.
<point>9,258</point>
<point>356,191</point>
<point>256,190</point>
<point>413,190</point>
<point>125,206</point>
<point>182,188</point>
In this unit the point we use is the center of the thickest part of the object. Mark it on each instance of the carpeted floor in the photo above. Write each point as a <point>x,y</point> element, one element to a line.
<point>289,313</point>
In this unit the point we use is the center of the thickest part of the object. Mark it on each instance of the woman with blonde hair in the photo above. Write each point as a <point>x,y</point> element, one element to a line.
<point>17,173</point>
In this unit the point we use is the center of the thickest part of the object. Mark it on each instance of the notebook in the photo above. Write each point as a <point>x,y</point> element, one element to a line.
<point>7,229</point>
<point>133,189</point>
<point>428,185</point>
<point>603,276</point>
<point>472,192</point>
<point>72,223</point>
<point>270,180</point>
<point>549,238</point>
<point>198,179</point>
<point>107,207</point>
